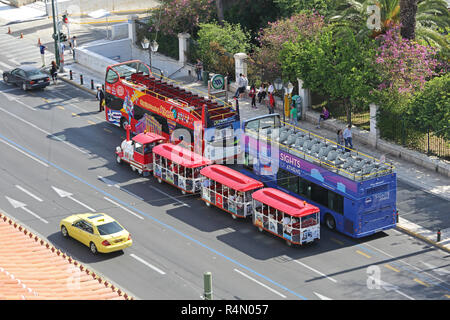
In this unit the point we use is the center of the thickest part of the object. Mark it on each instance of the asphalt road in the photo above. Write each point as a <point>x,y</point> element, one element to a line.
<point>55,139</point>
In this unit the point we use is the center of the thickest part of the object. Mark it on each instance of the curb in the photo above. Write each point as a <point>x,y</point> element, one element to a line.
<point>79,86</point>
<point>419,236</point>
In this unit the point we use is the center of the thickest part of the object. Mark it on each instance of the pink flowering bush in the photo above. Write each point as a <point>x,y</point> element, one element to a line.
<point>271,39</point>
<point>404,65</point>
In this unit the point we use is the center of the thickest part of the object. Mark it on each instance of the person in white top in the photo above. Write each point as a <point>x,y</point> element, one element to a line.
<point>271,89</point>
<point>348,137</point>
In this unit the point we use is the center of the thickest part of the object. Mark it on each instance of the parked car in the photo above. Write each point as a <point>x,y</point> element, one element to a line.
<point>98,231</point>
<point>27,77</point>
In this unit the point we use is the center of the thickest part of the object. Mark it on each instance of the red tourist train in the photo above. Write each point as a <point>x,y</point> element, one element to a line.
<point>272,210</point>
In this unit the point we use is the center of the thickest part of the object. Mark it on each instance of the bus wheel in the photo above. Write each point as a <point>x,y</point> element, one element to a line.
<point>329,222</point>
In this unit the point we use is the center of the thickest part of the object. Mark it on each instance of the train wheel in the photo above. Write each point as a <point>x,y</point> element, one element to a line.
<point>159,180</point>
<point>234,217</point>
<point>183,192</point>
<point>289,244</point>
<point>208,204</point>
<point>139,172</point>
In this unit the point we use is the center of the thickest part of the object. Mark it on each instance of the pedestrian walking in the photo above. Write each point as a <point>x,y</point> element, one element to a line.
<point>271,103</point>
<point>348,138</point>
<point>270,89</point>
<point>241,86</point>
<point>42,49</point>
<point>262,92</point>
<point>293,115</point>
<point>244,86</point>
<point>54,71</point>
<point>323,116</point>
<point>252,94</point>
<point>100,98</point>
<point>340,139</point>
<point>73,44</point>
<point>199,69</point>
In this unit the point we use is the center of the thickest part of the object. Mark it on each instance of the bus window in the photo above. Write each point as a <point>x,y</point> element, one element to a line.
<point>111,76</point>
<point>319,194</point>
<point>304,187</point>
<point>287,180</point>
<point>336,202</point>
<point>309,220</point>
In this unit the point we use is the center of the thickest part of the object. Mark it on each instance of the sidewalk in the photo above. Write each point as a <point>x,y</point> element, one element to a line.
<point>412,174</point>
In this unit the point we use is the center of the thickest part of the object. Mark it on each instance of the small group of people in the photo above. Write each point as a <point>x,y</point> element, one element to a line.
<point>62,47</point>
<point>345,138</point>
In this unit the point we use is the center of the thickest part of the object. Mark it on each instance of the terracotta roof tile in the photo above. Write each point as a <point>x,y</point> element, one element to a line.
<point>32,269</point>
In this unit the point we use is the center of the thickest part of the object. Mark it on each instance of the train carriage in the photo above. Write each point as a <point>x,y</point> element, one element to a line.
<point>228,190</point>
<point>285,216</point>
<point>179,167</point>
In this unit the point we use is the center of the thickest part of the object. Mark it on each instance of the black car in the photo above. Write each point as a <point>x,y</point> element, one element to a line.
<point>27,77</point>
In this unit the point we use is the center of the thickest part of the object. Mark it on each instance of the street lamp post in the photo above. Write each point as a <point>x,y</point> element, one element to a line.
<point>278,84</point>
<point>153,48</point>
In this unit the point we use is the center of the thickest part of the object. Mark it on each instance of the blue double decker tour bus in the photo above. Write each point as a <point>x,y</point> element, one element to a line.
<point>356,193</point>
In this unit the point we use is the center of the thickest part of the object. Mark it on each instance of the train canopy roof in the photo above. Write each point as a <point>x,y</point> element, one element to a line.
<point>147,137</point>
<point>284,202</point>
<point>180,155</point>
<point>231,178</point>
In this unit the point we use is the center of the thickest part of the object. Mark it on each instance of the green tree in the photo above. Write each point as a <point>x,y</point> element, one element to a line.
<point>430,108</point>
<point>335,65</point>
<point>217,44</point>
<point>430,16</point>
<point>290,7</point>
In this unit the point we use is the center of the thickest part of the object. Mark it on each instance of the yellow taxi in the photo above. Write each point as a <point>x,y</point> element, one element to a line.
<point>98,231</point>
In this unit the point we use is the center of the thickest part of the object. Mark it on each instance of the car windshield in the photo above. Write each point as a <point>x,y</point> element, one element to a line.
<point>33,72</point>
<point>109,228</point>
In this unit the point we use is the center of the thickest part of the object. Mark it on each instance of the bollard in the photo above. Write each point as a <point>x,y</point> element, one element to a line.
<point>396,218</point>
<point>81,79</point>
<point>438,235</point>
<point>71,76</point>
<point>207,281</point>
<point>92,84</point>
<point>103,87</point>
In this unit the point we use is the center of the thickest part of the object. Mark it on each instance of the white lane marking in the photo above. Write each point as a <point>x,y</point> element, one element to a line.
<point>405,295</point>
<point>23,152</point>
<point>17,100</point>
<point>322,297</point>
<point>29,193</point>
<point>168,195</point>
<point>7,66</point>
<point>440,271</point>
<point>261,284</point>
<point>408,264</point>
<point>147,264</point>
<point>120,206</point>
<point>111,183</point>
<point>44,131</point>
<point>316,271</point>
<point>17,204</point>
<point>64,194</point>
